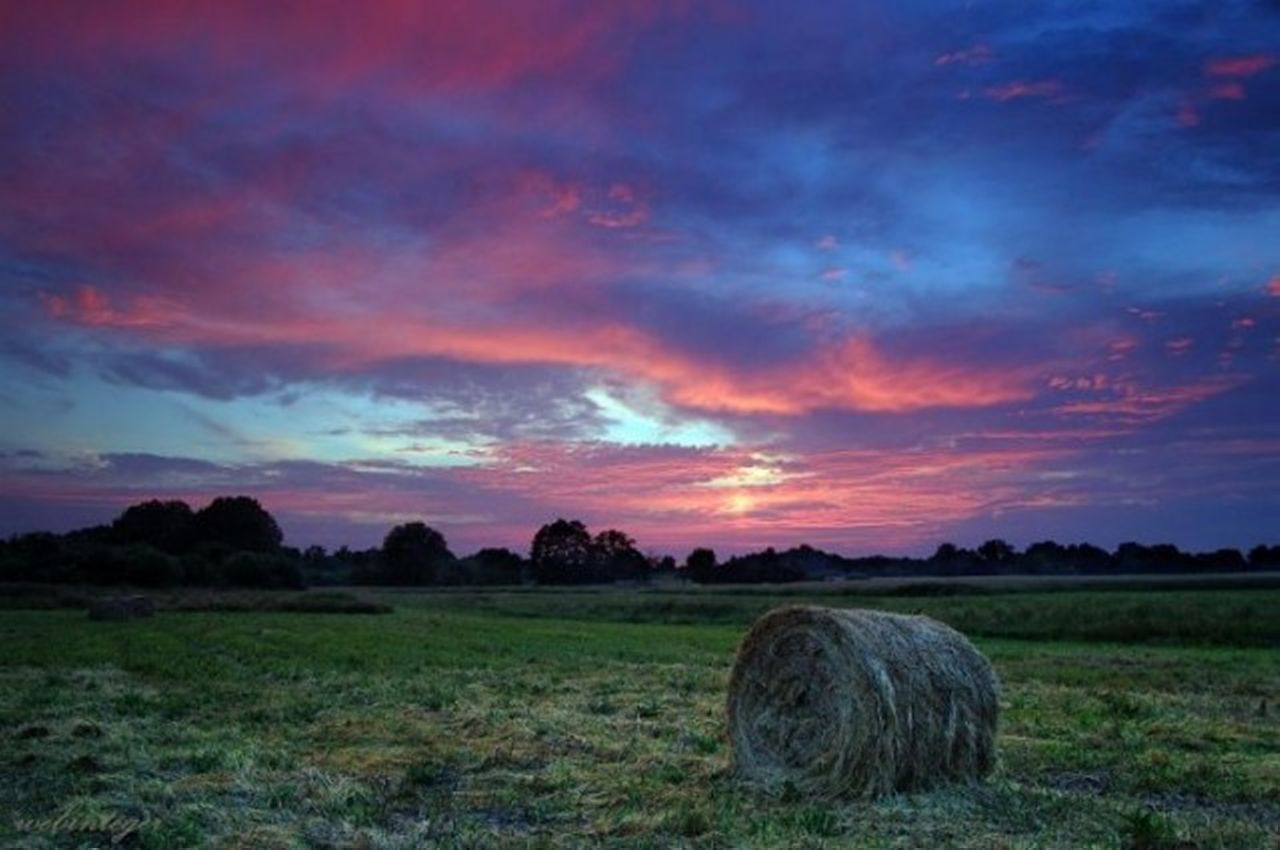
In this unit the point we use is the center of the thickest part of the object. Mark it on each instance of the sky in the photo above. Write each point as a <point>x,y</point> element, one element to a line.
<point>867,275</point>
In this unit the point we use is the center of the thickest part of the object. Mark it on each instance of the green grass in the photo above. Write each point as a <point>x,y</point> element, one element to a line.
<point>548,719</point>
<point>44,596</point>
<point>1209,617</point>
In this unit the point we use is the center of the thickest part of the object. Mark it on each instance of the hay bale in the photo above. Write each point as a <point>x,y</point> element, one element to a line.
<point>122,608</point>
<point>854,703</point>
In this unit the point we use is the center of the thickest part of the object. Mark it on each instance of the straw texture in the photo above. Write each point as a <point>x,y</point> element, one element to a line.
<point>853,703</point>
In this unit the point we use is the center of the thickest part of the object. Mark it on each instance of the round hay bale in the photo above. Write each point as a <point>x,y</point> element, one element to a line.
<point>853,703</point>
<point>122,608</point>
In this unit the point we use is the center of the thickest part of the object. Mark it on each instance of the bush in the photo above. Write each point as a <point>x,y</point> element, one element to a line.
<point>499,566</point>
<point>255,569</point>
<point>39,556</point>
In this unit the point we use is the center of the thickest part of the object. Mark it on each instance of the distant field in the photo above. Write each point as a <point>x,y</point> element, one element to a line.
<point>913,585</point>
<point>466,719</point>
<point>1209,618</point>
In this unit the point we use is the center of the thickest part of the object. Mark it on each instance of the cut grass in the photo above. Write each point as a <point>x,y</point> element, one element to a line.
<point>448,723</point>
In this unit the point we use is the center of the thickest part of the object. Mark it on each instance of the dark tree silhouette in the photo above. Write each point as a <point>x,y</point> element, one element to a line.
<point>946,552</point>
<point>561,553</point>
<point>414,553</point>
<point>238,523</point>
<point>1090,558</point>
<point>493,566</point>
<point>1223,560</point>
<point>1264,556</point>
<point>1045,556</point>
<point>256,569</point>
<point>1162,557</point>
<point>769,565</point>
<point>615,556</point>
<point>36,556</point>
<point>164,525</point>
<point>996,551</point>
<point>700,564</point>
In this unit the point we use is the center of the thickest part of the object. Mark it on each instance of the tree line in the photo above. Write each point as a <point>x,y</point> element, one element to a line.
<point>994,557</point>
<point>234,542</point>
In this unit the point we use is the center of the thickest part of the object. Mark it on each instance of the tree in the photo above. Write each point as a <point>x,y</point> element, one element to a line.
<point>414,553</point>
<point>1046,556</point>
<point>495,566</point>
<point>946,552</point>
<point>661,563</point>
<point>256,569</point>
<point>766,566</point>
<point>1092,559</point>
<point>37,556</point>
<point>239,523</point>
<point>996,551</point>
<point>700,564</point>
<point>615,557</point>
<point>1264,556</point>
<point>164,525</point>
<point>1223,560</point>
<point>1162,557</point>
<point>561,553</point>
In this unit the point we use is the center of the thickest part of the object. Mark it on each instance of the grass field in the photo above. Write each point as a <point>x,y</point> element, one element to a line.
<point>1130,720</point>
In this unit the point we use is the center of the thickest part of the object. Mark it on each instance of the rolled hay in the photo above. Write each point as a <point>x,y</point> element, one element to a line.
<point>122,608</point>
<point>853,703</point>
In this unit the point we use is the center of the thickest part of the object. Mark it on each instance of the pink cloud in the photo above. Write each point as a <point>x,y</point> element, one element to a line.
<point>1227,91</point>
<point>751,497</point>
<point>1273,287</point>
<point>1179,346</point>
<point>855,374</point>
<point>850,373</point>
<point>440,45</point>
<point>88,306</point>
<point>1119,349</point>
<point>1239,66</point>
<point>1145,314</point>
<point>1129,403</point>
<point>1188,115</point>
<point>554,197</point>
<point>1079,382</point>
<point>621,208</point>
<point>1024,88</point>
<point>1227,72</point>
<point>979,54</point>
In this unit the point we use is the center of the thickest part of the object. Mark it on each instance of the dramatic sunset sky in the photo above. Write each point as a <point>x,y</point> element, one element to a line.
<point>868,275</point>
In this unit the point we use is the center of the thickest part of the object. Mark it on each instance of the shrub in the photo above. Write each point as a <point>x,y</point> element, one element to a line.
<point>255,569</point>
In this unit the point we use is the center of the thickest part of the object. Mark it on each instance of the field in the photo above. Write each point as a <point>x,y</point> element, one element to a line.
<point>1130,720</point>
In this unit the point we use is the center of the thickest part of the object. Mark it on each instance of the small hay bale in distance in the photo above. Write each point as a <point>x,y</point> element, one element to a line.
<point>122,608</point>
<point>833,702</point>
